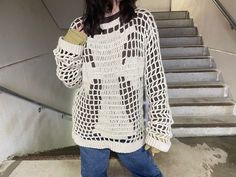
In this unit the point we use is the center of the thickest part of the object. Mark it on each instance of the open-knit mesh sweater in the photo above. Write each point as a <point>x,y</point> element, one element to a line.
<point>114,73</point>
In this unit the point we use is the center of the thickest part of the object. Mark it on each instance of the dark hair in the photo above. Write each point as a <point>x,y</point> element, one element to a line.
<point>96,9</point>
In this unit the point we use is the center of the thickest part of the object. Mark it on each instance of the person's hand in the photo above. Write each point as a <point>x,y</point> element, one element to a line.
<point>151,149</point>
<point>76,36</point>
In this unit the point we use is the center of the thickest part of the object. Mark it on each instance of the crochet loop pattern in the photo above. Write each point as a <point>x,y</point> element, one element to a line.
<point>113,74</point>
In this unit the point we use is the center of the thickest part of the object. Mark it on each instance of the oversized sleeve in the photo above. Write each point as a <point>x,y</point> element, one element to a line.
<point>158,128</point>
<point>68,58</point>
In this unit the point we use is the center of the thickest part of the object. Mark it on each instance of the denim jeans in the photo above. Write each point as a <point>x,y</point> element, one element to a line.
<point>95,162</point>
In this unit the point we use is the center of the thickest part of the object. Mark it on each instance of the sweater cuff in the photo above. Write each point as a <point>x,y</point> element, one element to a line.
<point>69,47</point>
<point>157,144</point>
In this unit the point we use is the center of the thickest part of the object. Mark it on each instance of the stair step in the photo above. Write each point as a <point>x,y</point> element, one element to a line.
<point>197,90</point>
<point>184,51</point>
<point>170,15</point>
<point>186,57</point>
<point>201,101</point>
<point>196,126</point>
<point>181,41</point>
<point>202,106</point>
<point>191,70</point>
<point>213,84</point>
<point>175,23</point>
<point>204,121</point>
<point>65,153</point>
<point>183,77</point>
<point>177,32</point>
<point>204,131</point>
<point>72,152</point>
<point>188,63</point>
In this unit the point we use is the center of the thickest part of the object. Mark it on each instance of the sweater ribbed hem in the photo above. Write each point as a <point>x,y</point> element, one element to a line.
<point>69,47</point>
<point>114,146</point>
<point>157,144</point>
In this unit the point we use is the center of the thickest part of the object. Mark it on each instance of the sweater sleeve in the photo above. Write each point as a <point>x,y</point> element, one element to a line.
<point>68,60</point>
<point>158,129</point>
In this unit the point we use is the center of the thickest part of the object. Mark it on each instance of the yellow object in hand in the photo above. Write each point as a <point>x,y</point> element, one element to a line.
<point>75,36</point>
<point>152,149</point>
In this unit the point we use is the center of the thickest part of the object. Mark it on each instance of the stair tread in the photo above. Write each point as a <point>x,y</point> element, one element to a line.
<point>171,14</point>
<point>177,31</point>
<point>188,57</point>
<point>183,70</point>
<point>187,22</point>
<point>165,36</point>
<point>183,19</point>
<point>196,84</point>
<point>202,101</point>
<point>204,121</point>
<point>177,46</point>
<point>181,37</point>
<point>178,28</point>
<point>186,46</point>
<point>181,41</point>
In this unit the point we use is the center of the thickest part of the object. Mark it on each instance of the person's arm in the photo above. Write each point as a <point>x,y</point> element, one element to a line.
<point>68,56</point>
<point>158,129</point>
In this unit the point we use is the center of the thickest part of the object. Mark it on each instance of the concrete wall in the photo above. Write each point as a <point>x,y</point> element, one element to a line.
<point>28,34</point>
<point>24,129</point>
<point>70,8</point>
<point>217,34</point>
<point>230,6</point>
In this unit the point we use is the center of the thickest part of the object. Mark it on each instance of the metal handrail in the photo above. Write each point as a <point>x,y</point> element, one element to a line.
<point>226,13</point>
<point>42,106</point>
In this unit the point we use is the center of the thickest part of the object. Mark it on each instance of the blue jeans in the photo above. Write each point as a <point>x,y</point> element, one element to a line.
<point>94,162</point>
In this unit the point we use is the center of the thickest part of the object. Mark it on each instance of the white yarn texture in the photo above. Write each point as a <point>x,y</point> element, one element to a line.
<point>112,72</point>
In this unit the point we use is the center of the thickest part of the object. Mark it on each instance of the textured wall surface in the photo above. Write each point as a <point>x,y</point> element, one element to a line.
<point>230,5</point>
<point>28,35</point>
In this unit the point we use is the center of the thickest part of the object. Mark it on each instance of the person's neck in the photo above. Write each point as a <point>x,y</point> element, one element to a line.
<point>114,10</point>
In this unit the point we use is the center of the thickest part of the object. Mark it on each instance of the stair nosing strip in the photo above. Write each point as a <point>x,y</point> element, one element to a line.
<point>170,11</point>
<point>175,46</point>
<point>186,46</point>
<point>187,19</point>
<point>188,36</point>
<point>188,57</point>
<point>171,27</point>
<point>194,86</point>
<point>191,70</point>
<point>204,125</point>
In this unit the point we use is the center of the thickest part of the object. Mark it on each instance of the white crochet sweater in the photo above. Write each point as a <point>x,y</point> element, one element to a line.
<point>110,72</point>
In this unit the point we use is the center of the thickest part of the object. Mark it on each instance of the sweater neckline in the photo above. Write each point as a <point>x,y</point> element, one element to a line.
<point>111,17</point>
<point>110,21</point>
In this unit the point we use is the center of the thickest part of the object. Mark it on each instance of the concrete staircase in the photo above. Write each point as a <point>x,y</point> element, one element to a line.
<point>200,100</point>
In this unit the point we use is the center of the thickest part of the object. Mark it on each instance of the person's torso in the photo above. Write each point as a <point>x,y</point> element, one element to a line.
<point>119,52</point>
